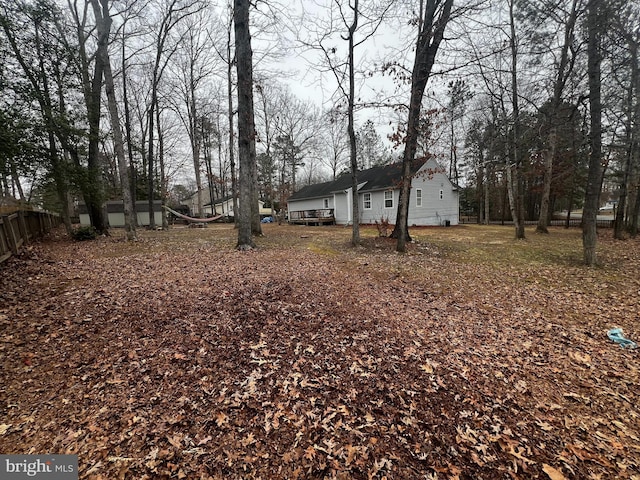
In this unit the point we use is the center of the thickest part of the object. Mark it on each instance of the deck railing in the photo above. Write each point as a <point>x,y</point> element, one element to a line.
<point>318,216</point>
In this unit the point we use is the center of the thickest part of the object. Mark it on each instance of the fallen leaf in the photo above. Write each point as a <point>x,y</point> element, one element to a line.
<point>221,419</point>
<point>310,453</point>
<point>426,368</point>
<point>553,473</point>
<point>580,357</point>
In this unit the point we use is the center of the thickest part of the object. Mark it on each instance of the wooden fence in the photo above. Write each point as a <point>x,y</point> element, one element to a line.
<point>573,222</point>
<point>18,228</point>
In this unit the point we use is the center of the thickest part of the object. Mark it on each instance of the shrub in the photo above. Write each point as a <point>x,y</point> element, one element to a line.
<point>383,226</point>
<point>84,233</point>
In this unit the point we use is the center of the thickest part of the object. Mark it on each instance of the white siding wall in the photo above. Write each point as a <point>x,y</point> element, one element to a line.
<point>378,209</point>
<point>342,209</point>
<point>307,204</point>
<point>117,219</point>
<point>434,210</point>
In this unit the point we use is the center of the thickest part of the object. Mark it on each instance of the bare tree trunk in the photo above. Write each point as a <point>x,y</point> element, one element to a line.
<point>592,193</point>
<point>195,135</point>
<point>256,225</point>
<point>103,20</point>
<point>150,158</point>
<point>433,21</point>
<point>91,180</point>
<point>15,179</point>
<point>246,126</point>
<point>353,157</point>
<point>517,208</point>
<point>635,214</point>
<point>232,140</point>
<point>487,205</point>
<point>565,68</point>
<point>632,132</point>
<point>195,153</point>
<point>163,179</point>
<point>132,174</point>
<point>511,192</point>
<point>549,155</point>
<point>60,178</point>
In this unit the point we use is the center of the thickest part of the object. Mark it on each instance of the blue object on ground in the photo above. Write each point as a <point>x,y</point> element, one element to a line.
<point>615,334</point>
<point>267,220</point>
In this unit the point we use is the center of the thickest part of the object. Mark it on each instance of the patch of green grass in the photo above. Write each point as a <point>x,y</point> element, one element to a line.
<point>497,245</point>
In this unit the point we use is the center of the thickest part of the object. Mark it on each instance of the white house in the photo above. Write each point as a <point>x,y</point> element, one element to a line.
<point>433,199</point>
<point>192,203</point>
<point>221,206</point>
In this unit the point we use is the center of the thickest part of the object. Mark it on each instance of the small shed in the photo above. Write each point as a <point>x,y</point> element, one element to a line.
<point>115,212</point>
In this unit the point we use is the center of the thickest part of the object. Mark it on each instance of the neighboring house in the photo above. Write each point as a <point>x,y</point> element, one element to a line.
<point>222,206</point>
<point>192,203</point>
<point>115,212</point>
<point>433,199</point>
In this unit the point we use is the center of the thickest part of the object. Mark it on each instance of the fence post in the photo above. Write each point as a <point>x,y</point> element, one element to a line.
<point>11,234</point>
<point>22,226</point>
<point>5,247</point>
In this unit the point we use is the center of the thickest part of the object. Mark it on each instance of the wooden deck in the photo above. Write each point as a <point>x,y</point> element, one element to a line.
<point>312,217</point>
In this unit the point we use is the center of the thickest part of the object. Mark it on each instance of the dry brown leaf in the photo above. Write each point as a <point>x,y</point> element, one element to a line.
<point>553,473</point>
<point>337,348</point>
<point>310,452</point>
<point>426,368</point>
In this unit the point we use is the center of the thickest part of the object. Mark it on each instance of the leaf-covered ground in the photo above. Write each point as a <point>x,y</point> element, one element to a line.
<point>474,356</point>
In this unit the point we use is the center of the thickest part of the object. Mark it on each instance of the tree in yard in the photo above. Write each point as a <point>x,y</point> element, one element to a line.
<point>353,159</point>
<point>459,94</point>
<point>246,123</point>
<point>103,22</point>
<point>514,167</point>
<point>351,20</point>
<point>335,138</point>
<point>40,59</point>
<point>289,156</point>
<point>91,77</point>
<point>18,151</point>
<point>592,193</point>
<point>265,161</point>
<point>499,66</point>
<point>371,152</point>
<point>551,30</point>
<point>626,71</point>
<point>193,66</point>
<point>432,20</point>
<point>171,14</point>
<point>209,126</point>
<point>476,143</point>
<point>227,55</point>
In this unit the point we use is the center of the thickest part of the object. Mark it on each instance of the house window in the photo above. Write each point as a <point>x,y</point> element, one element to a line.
<point>418,197</point>
<point>367,201</point>
<point>388,199</point>
<point>325,203</point>
<point>441,194</point>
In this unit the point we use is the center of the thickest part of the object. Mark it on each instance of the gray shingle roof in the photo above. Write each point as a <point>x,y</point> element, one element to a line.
<point>376,178</point>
